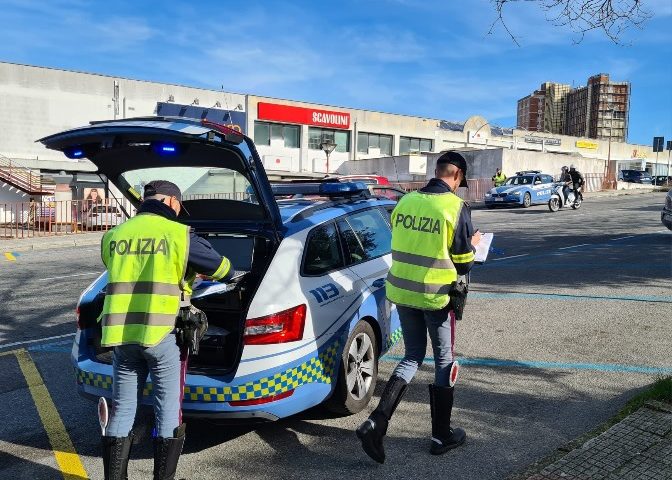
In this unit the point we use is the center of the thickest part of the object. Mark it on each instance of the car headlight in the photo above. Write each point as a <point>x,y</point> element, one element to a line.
<point>517,192</point>
<point>488,195</point>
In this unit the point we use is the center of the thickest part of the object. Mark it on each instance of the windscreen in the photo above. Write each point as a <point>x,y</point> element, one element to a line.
<point>196,183</point>
<point>519,181</point>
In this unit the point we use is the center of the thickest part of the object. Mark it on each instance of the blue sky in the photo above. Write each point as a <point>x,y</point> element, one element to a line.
<point>426,58</point>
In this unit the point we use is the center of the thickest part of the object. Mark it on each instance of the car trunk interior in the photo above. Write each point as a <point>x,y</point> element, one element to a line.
<point>221,347</point>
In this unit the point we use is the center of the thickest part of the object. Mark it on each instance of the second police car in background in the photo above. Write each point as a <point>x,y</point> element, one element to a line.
<point>525,188</point>
<point>306,322</point>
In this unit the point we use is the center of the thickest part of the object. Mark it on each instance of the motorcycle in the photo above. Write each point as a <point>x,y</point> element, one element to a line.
<point>557,200</point>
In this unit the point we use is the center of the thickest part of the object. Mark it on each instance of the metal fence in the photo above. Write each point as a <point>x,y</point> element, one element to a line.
<point>41,219</point>
<point>594,182</point>
<point>475,192</point>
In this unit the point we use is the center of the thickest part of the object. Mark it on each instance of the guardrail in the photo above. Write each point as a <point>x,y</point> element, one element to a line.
<point>42,219</point>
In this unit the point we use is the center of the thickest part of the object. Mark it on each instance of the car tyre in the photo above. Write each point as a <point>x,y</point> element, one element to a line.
<point>357,373</point>
<point>527,200</point>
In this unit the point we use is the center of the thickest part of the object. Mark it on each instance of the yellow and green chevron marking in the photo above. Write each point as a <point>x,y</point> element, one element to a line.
<point>394,338</point>
<point>319,369</point>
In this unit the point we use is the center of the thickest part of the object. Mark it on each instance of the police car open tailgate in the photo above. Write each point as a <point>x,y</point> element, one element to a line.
<point>117,146</point>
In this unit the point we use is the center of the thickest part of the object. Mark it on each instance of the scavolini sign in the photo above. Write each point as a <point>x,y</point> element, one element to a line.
<point>304,116</point>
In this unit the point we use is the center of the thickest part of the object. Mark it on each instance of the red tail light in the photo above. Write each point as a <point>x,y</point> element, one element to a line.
<point>79,326</point>
<point>260,401</point>
<point>282,327</point>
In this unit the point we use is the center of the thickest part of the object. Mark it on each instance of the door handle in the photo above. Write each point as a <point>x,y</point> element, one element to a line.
<point>380,282</point>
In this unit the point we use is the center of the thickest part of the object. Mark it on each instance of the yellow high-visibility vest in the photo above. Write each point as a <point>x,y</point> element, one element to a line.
<point>146,259</point>
<point>423,229</point>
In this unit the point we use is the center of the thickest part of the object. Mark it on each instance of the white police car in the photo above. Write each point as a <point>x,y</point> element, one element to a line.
<point>308,320</point>
<point>525,188</point>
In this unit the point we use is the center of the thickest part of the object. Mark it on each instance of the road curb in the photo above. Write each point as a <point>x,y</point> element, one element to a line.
<point>50,244</point>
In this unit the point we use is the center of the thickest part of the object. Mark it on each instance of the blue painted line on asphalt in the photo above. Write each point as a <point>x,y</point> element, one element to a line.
<point>599,367</point>
<point>508,261</point>
<point>565,297</point>
<point>60,346</point>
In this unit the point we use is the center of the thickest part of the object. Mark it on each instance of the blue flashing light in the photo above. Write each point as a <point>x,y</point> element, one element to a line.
<point>341,188</point>
<point>330,189</point>
<point>168,148</point>
<point>75,151</point>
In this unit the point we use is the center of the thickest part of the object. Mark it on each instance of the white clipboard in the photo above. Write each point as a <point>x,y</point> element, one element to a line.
<point>483,247</point>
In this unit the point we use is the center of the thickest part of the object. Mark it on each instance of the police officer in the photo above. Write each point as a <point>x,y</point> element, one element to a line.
<point>577,179</point>
<point>566,179</point>
<point>151,261</point>
<point>432,243</point>
<point>499,178</point>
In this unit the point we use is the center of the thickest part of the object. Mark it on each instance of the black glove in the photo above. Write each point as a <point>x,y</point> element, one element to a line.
<point>191,325</point>
<point>458,296</point>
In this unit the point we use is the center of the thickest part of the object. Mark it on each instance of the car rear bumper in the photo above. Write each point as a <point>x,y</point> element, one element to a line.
<point>309,381</point>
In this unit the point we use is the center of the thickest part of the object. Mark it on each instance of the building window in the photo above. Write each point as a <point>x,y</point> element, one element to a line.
<point>414,145</point>
<point>365,141</point>
<point>264,132</point>
<point>318,135</point>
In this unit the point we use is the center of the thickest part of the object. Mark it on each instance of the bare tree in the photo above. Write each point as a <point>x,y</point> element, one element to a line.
<point>613,17</point>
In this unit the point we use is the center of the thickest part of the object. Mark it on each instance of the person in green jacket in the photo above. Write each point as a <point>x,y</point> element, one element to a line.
<point>499,178</point>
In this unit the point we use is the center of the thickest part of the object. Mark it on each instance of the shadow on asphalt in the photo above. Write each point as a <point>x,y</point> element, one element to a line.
<point>596,261</point>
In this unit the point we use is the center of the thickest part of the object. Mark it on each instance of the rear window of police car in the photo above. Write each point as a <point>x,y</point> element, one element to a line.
<point>364,235</point>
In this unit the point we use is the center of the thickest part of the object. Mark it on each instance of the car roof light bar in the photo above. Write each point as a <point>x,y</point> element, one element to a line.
<point>327,189</point>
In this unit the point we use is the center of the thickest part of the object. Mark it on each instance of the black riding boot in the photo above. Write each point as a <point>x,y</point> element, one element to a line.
<point>116,451</point>
<point>167,453</point>
<point>444,438</point>
<point>372,431</point>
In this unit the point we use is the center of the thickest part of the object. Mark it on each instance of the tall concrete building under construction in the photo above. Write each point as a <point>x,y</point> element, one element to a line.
<point>599,110</point>
<point>544,110</point>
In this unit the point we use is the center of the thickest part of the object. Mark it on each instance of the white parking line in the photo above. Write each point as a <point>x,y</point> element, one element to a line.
<point>574,246</point>
<point>25,342</point>
<point>513,256</point>
<point>90,274</point>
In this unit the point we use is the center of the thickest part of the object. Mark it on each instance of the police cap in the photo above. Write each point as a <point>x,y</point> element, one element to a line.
<point>162,187</point>
<point>456,159</point>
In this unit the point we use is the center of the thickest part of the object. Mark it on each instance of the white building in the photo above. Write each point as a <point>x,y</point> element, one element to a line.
<point>38,101</point>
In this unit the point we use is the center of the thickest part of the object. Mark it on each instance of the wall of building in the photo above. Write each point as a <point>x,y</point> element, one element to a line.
<point>361,121</point>
<point>14,205</point>
<point>36,102</point>
<point>402,168</point>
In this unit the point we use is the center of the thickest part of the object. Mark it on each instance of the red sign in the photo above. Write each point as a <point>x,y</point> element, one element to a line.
<point>305,116</point>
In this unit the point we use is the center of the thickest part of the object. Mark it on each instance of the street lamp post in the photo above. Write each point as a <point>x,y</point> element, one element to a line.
<point>328,146</point>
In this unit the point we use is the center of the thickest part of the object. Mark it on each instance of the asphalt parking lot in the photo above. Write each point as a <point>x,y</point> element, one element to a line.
<point>567,321</point>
